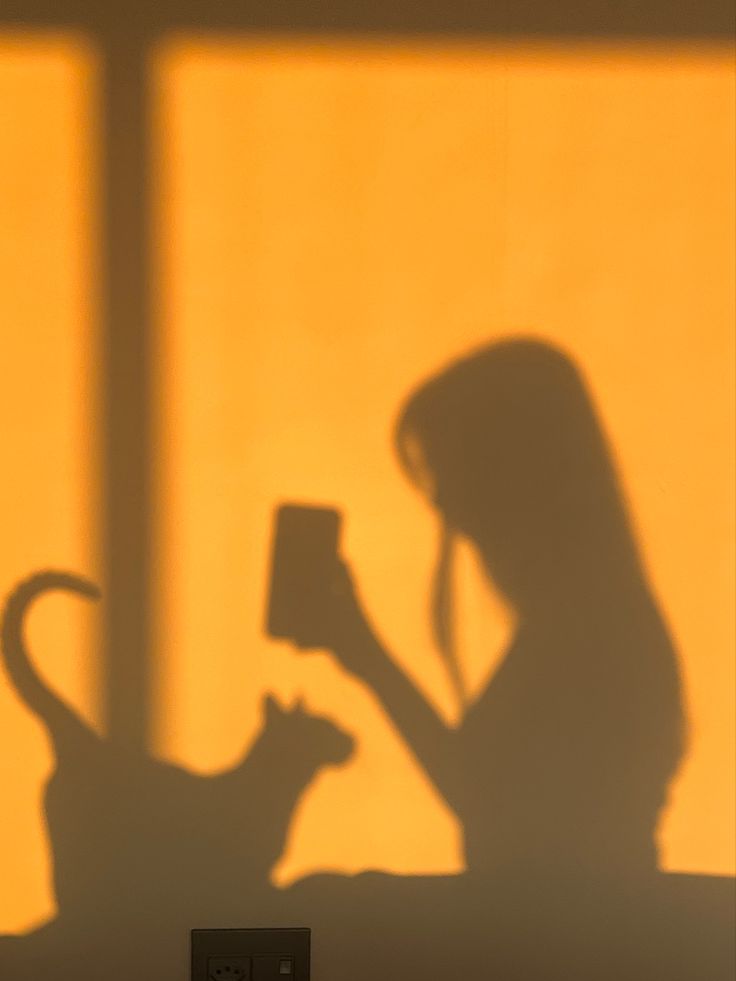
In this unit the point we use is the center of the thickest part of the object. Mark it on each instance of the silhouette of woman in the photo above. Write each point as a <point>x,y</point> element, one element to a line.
<point>562,764</point>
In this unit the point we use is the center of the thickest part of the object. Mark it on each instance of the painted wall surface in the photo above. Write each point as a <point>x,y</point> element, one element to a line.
<point>334,222</point>
<point>337,223</point>
<point>48,387</point>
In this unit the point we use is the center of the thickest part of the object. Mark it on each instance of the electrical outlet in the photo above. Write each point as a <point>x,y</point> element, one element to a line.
<point>228,968</point>
<point>274,954</point>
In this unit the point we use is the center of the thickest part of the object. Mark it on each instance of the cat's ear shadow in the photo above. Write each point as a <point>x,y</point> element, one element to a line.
<point>272,711</point>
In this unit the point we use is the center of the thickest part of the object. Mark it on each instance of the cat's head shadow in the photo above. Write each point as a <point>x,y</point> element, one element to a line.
<point>299,729</point>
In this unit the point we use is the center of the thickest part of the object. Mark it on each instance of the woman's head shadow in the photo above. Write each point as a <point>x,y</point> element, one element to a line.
<point>508,445</point>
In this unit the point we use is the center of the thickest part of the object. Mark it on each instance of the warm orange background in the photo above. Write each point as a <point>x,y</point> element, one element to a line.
<point>336,220</point>
<point>48,405</point>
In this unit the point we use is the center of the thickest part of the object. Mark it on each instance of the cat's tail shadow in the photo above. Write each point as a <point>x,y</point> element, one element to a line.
<point>28,682</point>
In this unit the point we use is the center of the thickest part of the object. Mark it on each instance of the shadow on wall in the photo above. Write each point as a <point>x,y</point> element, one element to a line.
<point>558,772</point>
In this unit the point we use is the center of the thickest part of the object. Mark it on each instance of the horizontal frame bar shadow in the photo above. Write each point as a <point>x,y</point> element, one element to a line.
<point>535,19</point>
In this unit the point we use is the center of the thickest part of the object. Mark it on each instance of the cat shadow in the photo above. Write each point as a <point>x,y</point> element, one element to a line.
<point>143,850</point>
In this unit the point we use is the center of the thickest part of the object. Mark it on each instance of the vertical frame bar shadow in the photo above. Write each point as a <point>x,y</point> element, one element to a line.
<point>127,448</point>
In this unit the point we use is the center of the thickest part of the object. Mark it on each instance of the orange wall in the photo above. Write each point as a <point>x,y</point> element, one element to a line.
<point>48,399</point>
<point>333,222</point>
<point>336,221</point>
